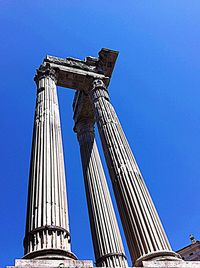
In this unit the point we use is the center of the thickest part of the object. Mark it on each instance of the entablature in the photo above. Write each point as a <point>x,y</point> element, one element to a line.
<point>78,74</point>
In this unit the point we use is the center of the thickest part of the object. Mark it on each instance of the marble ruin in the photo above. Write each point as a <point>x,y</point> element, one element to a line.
<point>47,237</point>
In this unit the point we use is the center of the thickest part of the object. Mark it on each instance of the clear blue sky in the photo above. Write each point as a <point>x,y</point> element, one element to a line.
<point>155,89</point>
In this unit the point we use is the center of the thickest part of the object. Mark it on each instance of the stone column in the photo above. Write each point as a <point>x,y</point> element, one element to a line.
<point>47,227</point>
<point>144,232</point>
<point>108,247</point>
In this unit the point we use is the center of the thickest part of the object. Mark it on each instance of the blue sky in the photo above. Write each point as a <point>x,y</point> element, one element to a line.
<point>155,90</point>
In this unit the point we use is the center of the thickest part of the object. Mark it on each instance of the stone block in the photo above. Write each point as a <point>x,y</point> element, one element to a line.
<point>171,264</point>
<point>52,264</point>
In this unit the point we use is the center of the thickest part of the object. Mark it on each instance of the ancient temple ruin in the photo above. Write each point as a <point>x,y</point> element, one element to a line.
<point>47,237</point>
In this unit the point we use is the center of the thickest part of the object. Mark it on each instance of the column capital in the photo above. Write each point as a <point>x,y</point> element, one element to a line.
<point>98,83</point>
<point>84,125</point>
<point>83,114</point>
<point>45,71</point>
<point>98,90</point>
<point>82,128</point>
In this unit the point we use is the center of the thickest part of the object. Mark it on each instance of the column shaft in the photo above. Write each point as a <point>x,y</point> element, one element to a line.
<point>144,232</point>
<point>108,247</point>
<point>47,226</point>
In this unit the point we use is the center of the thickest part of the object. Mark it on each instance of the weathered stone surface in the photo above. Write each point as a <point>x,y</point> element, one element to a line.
<point>143,229</point>
<point>52,263</point>
<point>47,227</point>
<point>171,264</point>
<point>89,264</point>
<point>145,235</point>
<point>108,247</point>
<point>79,74</point>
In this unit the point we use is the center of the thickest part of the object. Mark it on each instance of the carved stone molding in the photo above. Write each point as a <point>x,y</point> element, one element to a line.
<point>73,63</point>
<point>46,71</point>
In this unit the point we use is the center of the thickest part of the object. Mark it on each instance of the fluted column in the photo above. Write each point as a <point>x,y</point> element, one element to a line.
<point>108,247</point>
<point>47,227</point>
<point>144,232</point>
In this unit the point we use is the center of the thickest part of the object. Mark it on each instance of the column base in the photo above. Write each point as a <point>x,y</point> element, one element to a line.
<point>158,256</point>
<point>46,263</point>
<point>51,254</point>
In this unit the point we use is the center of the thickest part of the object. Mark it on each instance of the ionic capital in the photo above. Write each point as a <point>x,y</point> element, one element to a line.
<point>45,71</point>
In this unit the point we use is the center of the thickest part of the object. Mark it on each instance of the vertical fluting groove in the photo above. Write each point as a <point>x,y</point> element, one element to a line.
<point>47,225</point>
<point>145,235</point>
<point>108,247</point>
